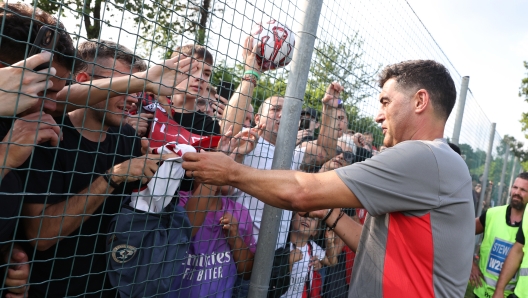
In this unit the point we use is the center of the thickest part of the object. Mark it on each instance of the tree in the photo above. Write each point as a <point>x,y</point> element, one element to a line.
<point>523,92</point>
<point>160,20</point>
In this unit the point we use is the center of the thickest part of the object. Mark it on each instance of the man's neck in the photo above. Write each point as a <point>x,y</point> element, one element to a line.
<point>516,215</point>
<point>184,104</point>
<point>88,125</point>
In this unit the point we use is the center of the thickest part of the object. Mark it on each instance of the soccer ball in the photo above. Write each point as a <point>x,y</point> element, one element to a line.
<point>276,44</point>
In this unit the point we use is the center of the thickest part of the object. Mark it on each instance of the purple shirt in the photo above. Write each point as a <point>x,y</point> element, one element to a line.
<point>209,270</point>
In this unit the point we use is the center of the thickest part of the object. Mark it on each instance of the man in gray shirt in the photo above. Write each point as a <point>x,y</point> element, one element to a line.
<point>418,237</point>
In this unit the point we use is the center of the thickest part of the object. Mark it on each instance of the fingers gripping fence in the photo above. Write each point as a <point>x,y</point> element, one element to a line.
<point>101,101</point>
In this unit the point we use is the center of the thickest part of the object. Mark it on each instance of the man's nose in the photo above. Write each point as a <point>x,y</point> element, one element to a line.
<point>380,117</point>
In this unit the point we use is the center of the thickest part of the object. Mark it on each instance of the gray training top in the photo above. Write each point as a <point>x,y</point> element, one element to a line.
<point>418,238</point>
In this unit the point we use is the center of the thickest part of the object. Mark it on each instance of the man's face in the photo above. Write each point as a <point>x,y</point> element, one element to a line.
<point>368,139</point>
<point>197,80</point>
<point>249,117</point>
<point>394,114</point>
<point>47,103</point>
<point>114,110</point>
<point>339,160</point>
<point>342,122</point>
<point>271,115</point>
<point>519,194</point>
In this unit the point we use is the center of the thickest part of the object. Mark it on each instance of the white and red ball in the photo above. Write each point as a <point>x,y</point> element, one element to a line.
<point>276,44</point>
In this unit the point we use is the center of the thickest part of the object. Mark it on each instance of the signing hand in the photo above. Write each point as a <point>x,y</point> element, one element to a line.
<point>209,167</point>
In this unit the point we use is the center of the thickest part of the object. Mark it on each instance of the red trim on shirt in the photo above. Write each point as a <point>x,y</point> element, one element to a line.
<point>408,268</point>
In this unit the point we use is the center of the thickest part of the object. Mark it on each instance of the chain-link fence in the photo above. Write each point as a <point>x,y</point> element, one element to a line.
<point>95,201</point>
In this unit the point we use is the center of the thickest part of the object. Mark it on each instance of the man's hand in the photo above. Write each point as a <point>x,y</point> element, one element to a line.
<point>18,272</point>
<point>217,106</point>
<point>475,278</point>
<point>359,140</point>
<point>249,54</point>
<point>314,214</point>
<point>36,128</point>
<point>20,85</point>
<point>245,141</point>
<point>209,167</point>
<point>303,133</point>
<point>331,97</point>
<point>139,168</point>
<point>229,225</point>
<point>162,79</point>
<point>140,122</point>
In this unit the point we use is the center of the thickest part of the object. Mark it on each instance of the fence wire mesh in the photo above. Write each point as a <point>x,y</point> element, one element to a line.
<point>95,202</point>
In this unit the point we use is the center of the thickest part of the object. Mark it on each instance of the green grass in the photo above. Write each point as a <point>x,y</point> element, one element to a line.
<point>469,292</point>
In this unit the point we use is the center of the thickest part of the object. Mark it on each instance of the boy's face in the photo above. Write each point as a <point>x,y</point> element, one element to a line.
<point>305,225</point>
<point>198,79</point>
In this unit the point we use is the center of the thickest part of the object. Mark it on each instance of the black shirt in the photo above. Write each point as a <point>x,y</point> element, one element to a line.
<point>520,236</point>
<point>10,189</point>
<point>76,264</point>
<point>199,124</point>
<point>482,219</point>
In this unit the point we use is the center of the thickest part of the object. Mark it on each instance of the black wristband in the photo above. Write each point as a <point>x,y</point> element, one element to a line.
<point>327,215</point>
<point>337,219</point>
<point>108,178</point>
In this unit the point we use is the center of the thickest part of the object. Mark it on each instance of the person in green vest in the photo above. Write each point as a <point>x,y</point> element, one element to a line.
<point>499,225</point>
<point>515,266</point>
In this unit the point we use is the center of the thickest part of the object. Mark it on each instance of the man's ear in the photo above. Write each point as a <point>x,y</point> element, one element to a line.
<point>257,119</point>
<point>82,77</point>
<point>421,101</point>
<point>317,125</point>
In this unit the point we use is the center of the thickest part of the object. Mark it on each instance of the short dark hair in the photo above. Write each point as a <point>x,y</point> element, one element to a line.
<point>194,50</point>
<point>93,49</point>
<point>20,25</point>
<point>424,74</point>
<point>523,175</point>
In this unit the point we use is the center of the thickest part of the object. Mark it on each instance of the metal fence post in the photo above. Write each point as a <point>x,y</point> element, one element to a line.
<point>460,109</point>
<point>486,168</point>
<point>282,158</point>
<point>504,166</point>
<point>485,179</point>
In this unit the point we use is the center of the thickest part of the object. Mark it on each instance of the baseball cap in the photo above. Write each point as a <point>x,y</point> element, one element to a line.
<point>310,111</point>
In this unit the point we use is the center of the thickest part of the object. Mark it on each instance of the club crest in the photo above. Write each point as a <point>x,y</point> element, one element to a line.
<point>123,253</point>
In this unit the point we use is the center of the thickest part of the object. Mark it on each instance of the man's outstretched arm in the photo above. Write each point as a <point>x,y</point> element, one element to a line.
<point>284,189</point>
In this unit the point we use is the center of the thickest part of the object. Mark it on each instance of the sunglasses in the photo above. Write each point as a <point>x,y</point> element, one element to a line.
<point>348,156</point>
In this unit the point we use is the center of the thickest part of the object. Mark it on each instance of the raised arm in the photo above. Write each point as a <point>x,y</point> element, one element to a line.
<point>321,150</point>
<point>235,111</point>
<point>160,79</point>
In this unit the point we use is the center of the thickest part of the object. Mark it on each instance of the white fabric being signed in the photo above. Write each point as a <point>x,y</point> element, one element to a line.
<point>160,190</point>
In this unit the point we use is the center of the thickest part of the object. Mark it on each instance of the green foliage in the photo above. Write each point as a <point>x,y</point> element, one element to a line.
<point>163,21</point>
<point>523,92</point>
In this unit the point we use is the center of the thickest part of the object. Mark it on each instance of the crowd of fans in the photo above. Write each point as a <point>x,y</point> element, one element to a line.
<point>77,142</point>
